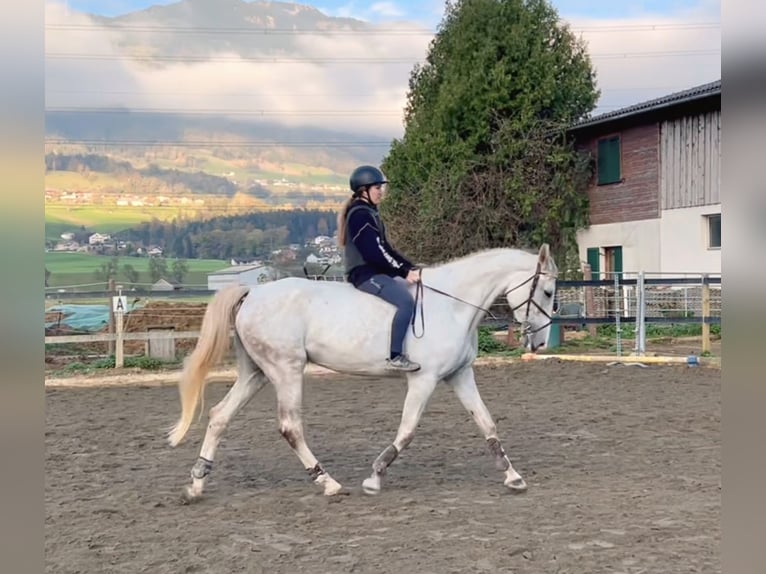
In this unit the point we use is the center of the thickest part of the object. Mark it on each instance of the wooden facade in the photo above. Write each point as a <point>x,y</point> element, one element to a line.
<point>670,156</point>
<point>655,192</point>
<point>690,161</point>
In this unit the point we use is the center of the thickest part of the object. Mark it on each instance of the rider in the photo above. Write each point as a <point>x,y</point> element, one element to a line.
<point>371,263</point>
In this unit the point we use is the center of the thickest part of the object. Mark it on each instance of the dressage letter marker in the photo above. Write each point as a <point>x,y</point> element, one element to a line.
<point>119,306</point>
<point>120,303</point>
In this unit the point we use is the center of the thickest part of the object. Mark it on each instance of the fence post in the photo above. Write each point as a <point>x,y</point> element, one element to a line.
<point>617,323</point>
<point>110,288</point>
<point>590,305</point>
<point>705,313</point>
<point>640,315</point>
<point>119,352</point>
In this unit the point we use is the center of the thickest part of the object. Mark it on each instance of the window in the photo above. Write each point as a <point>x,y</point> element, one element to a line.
<point>612,257</point>
<point>613,260</point>
<point>608,160</point>
<point>714,231</point>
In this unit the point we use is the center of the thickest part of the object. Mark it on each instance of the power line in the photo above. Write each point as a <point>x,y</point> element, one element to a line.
<point>205,143</point>
<point>340,60</point>
<point>298,94</point>
<point>348,32</point>
<point>210,111</point>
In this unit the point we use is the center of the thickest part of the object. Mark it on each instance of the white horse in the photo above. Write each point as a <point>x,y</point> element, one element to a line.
<point>280,327</point>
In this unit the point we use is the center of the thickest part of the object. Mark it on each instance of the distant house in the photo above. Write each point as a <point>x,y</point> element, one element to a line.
<point>99,238</point>
<point>240,275</point>
<point>237,261</point>
<point>164,285</point>
<point>655,198</point>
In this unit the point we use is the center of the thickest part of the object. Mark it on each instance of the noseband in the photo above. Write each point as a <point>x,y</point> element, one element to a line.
<point>526,328</point>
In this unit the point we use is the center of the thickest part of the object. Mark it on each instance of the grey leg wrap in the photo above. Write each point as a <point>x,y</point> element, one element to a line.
<point>497,450</point>
<point>201,468</point>
<point>385,459</point>
<point>315,472</point>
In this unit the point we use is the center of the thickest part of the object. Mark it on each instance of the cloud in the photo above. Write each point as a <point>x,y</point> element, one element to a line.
<point>387,10</point>
<point>364,98</point>
<point>637,59</point>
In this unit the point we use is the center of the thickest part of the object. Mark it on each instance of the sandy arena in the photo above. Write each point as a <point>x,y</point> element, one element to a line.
<point>623,465</point>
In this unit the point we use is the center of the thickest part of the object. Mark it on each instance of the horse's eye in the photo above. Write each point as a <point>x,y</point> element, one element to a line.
<point>548,294</point>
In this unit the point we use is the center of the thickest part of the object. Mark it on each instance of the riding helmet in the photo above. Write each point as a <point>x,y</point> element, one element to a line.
<point>366,175</point>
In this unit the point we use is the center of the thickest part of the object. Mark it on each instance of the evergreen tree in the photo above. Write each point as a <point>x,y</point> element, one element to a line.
<point>484,160</point>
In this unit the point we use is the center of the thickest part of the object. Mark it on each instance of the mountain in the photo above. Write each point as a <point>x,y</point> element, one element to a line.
<point>225,26</point>
<point>254,80</point>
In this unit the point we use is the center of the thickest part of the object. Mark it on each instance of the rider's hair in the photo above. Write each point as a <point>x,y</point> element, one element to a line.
<point>342,214</point>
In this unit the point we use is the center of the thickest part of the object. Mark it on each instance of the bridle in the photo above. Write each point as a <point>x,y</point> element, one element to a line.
<point>526,328</point>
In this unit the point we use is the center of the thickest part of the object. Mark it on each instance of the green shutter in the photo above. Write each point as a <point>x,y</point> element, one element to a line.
<point>593,261</point>
<point>608,160</point>
<point>617,259</point>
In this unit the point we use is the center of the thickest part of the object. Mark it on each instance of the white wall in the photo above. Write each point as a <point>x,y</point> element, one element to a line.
<point>255,276</point>
<point>674,243</point>
<point>685,239</point>
<point>640,241</point>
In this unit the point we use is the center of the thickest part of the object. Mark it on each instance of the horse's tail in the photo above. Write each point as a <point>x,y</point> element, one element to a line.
<point>212,345</point>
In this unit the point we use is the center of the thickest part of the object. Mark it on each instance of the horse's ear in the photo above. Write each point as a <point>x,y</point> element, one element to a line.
<point>545,254</point>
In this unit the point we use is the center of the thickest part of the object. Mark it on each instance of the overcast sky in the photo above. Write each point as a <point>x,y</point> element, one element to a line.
<point>640,50</point>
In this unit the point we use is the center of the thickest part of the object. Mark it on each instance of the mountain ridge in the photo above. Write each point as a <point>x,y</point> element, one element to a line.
<point>200,29</point>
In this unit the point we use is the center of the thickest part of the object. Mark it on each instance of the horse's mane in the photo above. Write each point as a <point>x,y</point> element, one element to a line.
<point>481,253</point>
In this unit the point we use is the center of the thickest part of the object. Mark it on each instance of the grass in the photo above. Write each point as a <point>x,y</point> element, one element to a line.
<point>69,269</point>
<point>102,218</point>
<point>140,362</point>
<point>75,181</point>
<point>654,330</point>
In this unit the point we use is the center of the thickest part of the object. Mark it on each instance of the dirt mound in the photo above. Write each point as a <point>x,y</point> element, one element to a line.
<point>179,316</point>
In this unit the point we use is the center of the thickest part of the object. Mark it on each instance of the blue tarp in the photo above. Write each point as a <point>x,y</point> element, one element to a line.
<point>81,317</point>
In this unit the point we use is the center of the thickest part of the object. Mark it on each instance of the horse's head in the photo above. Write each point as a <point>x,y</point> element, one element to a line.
<point>532,301</point>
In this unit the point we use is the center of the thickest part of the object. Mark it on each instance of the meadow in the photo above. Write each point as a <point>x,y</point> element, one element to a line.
<point>79,269</point>
<point>101,218</point>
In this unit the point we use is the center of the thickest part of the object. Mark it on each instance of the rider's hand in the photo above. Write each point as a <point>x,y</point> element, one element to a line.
<point>413,276</point>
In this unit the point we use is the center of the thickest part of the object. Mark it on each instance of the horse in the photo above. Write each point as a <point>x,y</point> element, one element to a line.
<point>282,326</point>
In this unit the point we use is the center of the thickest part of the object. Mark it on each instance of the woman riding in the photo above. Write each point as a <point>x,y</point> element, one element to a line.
<point>372,265</point>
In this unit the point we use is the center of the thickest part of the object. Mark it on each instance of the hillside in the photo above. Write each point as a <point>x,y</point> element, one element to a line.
<point>227,133</point>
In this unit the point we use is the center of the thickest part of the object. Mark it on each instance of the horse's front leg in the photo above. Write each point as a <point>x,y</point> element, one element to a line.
<point>420,387</point>
<point>464,386</point>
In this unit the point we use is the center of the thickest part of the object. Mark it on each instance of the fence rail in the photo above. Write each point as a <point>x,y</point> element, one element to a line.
<point>620,299</point>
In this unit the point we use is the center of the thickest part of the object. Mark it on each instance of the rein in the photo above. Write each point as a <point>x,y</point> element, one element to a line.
<point>419,290</point>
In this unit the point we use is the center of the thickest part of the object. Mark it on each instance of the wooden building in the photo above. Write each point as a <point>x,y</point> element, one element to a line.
<point>655,197</point>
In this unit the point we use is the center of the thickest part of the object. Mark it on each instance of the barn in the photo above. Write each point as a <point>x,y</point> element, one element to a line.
<point>239,275</point>
<point>655,196</point>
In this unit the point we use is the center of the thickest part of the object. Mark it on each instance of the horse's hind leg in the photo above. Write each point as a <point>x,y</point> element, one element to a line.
<point>289,389</point>
<point>464,385</point>
<point>250,379</point>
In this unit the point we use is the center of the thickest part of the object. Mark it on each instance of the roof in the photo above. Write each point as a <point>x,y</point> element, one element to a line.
<point>696,93</point>
<point>236,270</point>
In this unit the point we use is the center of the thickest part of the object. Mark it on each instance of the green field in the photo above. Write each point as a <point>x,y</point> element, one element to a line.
<point>75,181</point>
<point>78,269</point>
<point>102,219</point>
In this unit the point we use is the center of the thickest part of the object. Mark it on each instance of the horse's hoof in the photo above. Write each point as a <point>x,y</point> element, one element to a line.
<point>371,486</point>
<point>332,489</point>
<point>188,496</point>
<point>516,485</point>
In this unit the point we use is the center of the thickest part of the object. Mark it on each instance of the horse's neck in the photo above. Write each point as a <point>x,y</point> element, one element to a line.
<point>479,280</point>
